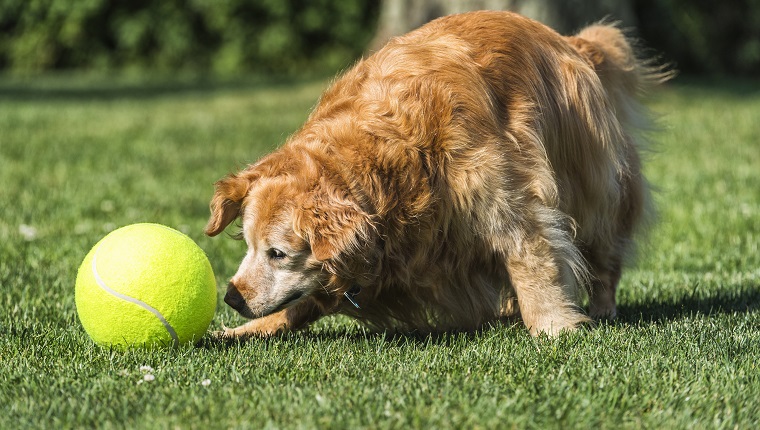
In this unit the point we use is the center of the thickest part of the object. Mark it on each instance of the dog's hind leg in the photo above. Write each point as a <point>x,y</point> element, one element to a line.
<point>603,287</point>
<point>607,250</point>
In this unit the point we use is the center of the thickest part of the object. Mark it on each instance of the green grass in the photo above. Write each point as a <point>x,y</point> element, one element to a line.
<point>79,158</point>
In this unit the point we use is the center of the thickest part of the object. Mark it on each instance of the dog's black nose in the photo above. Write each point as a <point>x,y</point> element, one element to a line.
<point>233,298</point>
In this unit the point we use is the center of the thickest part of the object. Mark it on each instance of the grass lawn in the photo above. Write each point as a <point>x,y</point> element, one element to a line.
<point>80,157</point>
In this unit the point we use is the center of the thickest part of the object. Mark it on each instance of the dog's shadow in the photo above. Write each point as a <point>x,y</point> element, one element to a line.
<point>355,332</point>
<point>650,312</point>
<point>743,300</point>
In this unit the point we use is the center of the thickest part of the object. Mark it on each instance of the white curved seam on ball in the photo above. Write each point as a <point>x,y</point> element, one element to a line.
<point>142,304</point>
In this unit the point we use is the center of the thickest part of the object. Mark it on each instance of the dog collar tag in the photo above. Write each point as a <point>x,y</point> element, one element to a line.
<point>351,293</point>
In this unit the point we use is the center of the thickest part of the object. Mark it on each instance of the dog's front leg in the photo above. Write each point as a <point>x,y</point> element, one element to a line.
<point>292,318</point>
<point>546,287</point>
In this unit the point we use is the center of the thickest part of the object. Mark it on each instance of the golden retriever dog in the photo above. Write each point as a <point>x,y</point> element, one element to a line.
<point>478,167</point>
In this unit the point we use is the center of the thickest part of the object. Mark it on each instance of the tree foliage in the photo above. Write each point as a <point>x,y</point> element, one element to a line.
<point>293,36</point>
<point>704,36</point>
<point>221,36</point>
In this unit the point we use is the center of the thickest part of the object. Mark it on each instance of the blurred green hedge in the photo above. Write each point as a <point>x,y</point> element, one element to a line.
<point>704,36</point>
<point>314,36</point>
<point>210,36</point>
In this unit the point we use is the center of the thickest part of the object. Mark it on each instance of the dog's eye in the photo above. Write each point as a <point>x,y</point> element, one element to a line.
<point>276,254</point>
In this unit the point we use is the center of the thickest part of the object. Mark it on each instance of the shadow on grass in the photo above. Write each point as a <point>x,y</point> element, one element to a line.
<point>703,303</point>
<point>649,312</point>
<point>308,335</point>
<point>73,87</point>
<point>513,326</point>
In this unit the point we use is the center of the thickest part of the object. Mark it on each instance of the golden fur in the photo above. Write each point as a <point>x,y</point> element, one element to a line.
<point>480,166</point>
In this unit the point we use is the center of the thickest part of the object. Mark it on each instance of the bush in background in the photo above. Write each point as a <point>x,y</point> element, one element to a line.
<point>218,36</point>
<point>314,36</point>
<point>704,36</point>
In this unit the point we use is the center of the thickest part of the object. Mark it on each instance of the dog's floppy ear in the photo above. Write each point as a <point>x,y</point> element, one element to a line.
<point>227,201</point>
<point>332,223</point>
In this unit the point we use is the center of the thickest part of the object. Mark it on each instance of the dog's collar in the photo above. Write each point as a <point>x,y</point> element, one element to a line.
<point>350,294</point>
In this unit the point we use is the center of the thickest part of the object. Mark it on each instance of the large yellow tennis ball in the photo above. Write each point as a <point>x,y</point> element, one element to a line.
<point>145,285</point>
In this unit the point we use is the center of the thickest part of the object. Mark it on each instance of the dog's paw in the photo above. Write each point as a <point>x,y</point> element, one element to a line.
<point>222,334</point>
<point>553,325</point>
<point>261,328</point>
<point>603,313</point>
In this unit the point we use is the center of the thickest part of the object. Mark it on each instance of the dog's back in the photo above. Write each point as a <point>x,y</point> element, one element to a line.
<point>570,102</point>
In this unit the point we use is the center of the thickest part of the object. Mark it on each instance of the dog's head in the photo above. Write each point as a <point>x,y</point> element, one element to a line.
<point>306,236</point>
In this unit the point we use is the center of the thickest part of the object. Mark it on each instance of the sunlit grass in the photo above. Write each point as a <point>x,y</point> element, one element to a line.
<point>79,159</point>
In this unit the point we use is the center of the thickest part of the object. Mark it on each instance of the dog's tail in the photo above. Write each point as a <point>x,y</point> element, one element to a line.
<point>615,59</point>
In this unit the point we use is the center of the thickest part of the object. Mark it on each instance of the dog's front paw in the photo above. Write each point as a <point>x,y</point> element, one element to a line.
<point>225,334</point>
<point>258,328</point>
<point>553,324</point>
